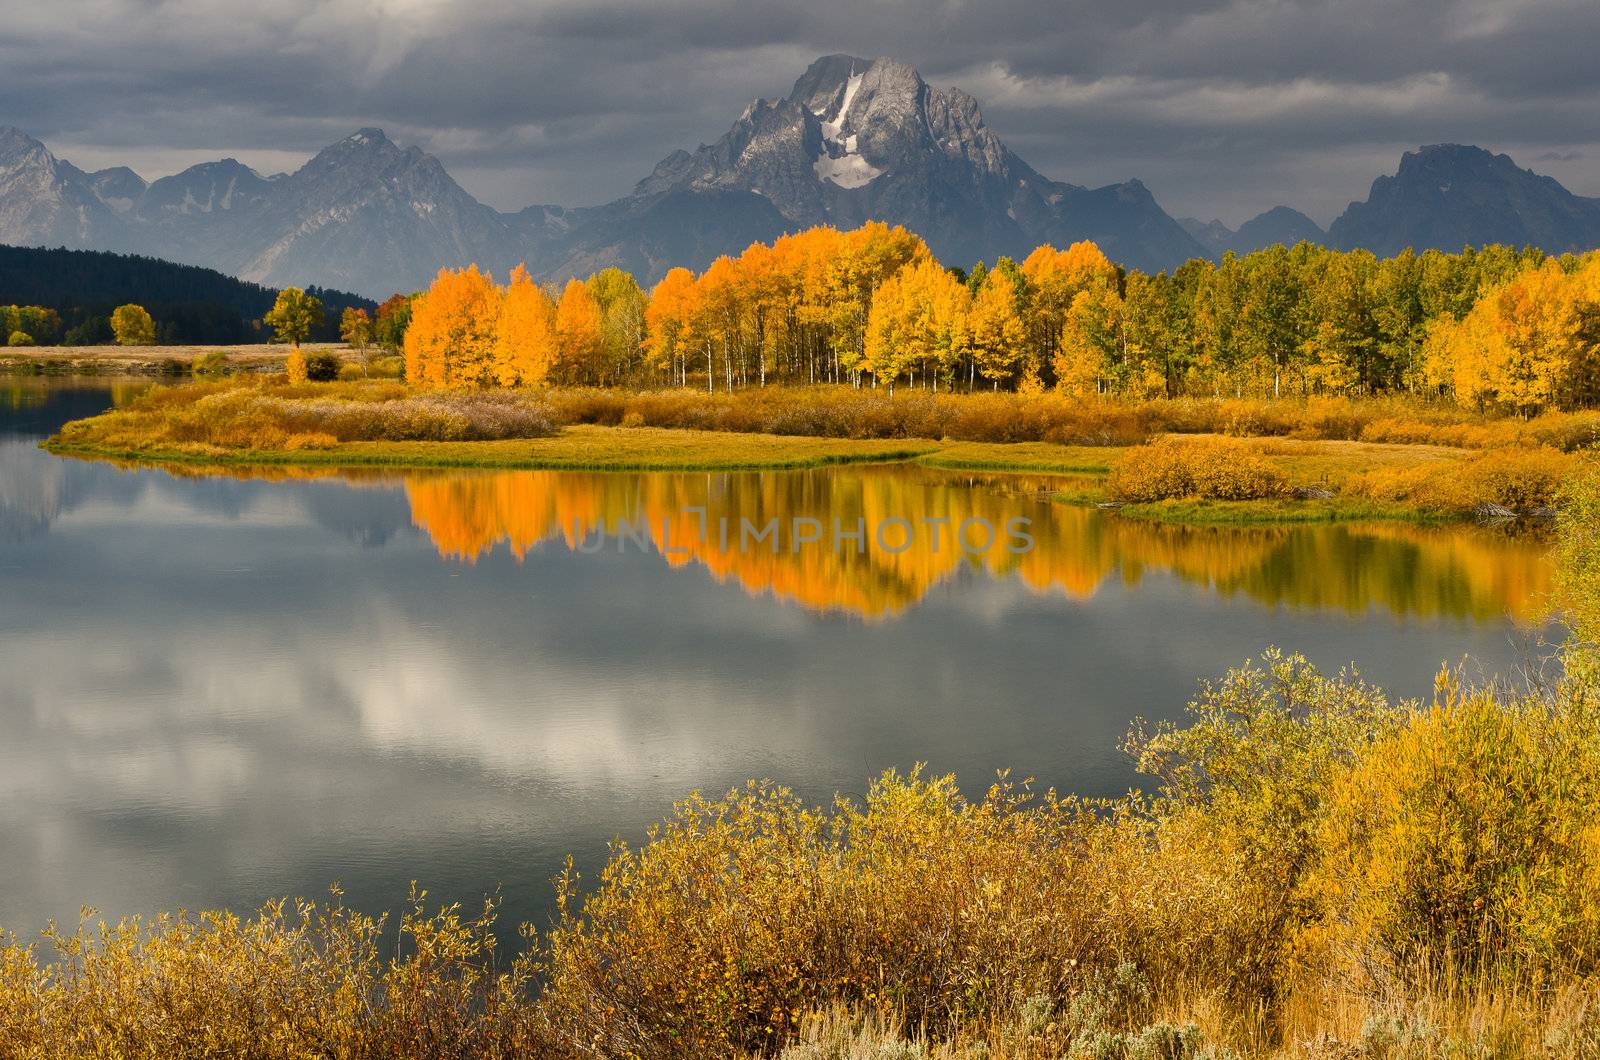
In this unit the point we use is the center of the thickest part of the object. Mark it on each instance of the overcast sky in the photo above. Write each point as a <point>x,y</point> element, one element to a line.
<point>1222,108</point>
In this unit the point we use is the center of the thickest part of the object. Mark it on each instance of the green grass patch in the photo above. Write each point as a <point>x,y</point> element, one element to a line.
<point>1038,457</point>
<point>580,448</point>
<point>1203,512</point>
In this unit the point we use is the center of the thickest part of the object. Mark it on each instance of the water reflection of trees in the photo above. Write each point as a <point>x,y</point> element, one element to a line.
<point>1408,570</point>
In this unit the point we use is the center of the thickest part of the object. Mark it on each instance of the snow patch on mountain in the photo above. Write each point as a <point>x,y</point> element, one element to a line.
<point>840,160</point>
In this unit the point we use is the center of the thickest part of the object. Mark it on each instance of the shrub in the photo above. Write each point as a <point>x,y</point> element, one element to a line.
<point>388,368</point>
<point>291,982</point>
<point>1304,825</point>
<point>1517,479</point>
<point>267,413</point>
<point>19,338</point>
<point>1464,839</point>
<point>214,363</point>
<point>1578,553</point>
<point>1213,468</point>
<point>309,440</point>
<point>322,367</point>
<point>1520,480</point>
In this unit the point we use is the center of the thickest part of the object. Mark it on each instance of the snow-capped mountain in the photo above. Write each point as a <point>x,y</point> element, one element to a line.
<point>855,140</point>
<point>46,200</point>
<point>860,139</point>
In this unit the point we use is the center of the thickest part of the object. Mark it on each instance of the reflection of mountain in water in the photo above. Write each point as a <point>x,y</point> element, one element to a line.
<point>38,489</point>
<point>30,490</point>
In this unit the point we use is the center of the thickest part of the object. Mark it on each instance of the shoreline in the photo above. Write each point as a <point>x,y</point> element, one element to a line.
<point>158,362</point>
<point>371,424</point>
<point>587,447</point>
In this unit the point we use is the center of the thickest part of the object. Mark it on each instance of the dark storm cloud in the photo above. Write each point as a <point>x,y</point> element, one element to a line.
<point>1224,107</point>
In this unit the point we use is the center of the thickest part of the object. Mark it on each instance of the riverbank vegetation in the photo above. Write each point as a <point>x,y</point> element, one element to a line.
<point>1287,459</point>
<point>1319,871</point>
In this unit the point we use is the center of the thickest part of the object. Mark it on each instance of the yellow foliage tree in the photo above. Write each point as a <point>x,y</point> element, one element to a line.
<point>132,326</point>
<point>451,340</point>
<point>1054,278</point>
<point>997,333</point>
<point>577,329</point>
<point>1091,349</point>
<point>667,324</point>
<point>1514,348</point>
<point>524,335</point>
<point>918,321</point>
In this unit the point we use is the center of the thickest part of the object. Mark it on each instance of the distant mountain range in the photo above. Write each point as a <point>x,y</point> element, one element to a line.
<point>1278,225</point>
<point>855,139</point>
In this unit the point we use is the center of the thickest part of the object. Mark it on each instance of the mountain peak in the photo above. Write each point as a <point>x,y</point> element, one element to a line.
<point>824,77</point>
<point>371,135</point>
<point>14,142</point>
<point>859,139</point>
<point>1446,196</point>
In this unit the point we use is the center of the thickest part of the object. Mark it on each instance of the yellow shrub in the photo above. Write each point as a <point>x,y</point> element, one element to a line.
<point>1214,468</point>
<point>1518,479</point>
<point>742,915</point>
<point>310,440</point>
<point>1467,840</point>
<point>286,984</point>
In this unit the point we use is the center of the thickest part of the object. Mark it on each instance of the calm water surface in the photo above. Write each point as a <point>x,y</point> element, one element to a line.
<point>222,689</point>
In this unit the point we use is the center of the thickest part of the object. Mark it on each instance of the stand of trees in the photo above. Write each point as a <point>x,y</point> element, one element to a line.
<point>188,304</point>
<point>1494,328</point>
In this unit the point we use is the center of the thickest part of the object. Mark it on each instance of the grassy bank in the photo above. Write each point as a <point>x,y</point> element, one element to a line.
<point>1192,477</point>
<point>581,448</point>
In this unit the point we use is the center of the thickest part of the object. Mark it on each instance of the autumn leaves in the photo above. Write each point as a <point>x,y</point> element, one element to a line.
<point>466,332</point>
<point>1497,330</point>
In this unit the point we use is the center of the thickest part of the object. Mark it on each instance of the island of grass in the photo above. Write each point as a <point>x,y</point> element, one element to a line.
<point>1167,460</point>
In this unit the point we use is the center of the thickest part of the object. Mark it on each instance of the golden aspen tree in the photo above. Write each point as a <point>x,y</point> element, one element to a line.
<point>918,321</point>
<point>996,332</point>
<point>355,328</point>
<point>524,337</point>
<point>578,338</point>
<point>622,329</point>
<point>293,315</point>
<point>132,326</point>
<point>1054,278</point>
<point>451,339</point>
<point>1090,353</point>
<point>667,324</point>
<point>1532,318</point>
